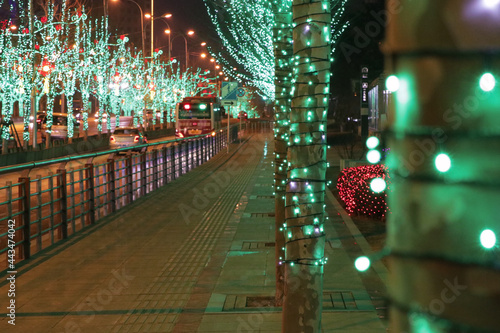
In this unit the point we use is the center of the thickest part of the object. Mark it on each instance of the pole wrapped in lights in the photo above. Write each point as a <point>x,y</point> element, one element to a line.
<point>306,184</point>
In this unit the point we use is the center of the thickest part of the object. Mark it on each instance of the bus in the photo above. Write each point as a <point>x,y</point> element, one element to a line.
<point>197,115</point>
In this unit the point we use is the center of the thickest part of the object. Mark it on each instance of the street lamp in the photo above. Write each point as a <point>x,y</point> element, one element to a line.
<point>153,18</point>
<point>142,26</point>
<point>189,33</point>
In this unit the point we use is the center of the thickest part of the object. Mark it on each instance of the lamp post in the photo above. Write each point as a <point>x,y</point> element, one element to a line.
<point>168,32</point>
<point>142,26</point>
<point>152,19</point>
<point>190,33</point>
<point>152,27</point>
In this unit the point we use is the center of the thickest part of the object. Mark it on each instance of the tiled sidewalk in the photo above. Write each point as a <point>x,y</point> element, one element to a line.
<point>187,258</point>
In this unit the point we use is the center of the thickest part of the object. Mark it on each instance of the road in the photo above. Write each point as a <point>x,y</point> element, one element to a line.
<point>92,130</point>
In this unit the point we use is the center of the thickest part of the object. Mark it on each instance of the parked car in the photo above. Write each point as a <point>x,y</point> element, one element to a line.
<point>60,126</point>
<point>242,115</point>
<point>127,137</point>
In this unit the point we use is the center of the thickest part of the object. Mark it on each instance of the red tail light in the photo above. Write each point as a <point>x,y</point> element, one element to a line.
<point>136,138</point>
<point>112,138</point>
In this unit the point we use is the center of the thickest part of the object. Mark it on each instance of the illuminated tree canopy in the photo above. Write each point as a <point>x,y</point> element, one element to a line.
<point>246,32</point>
<point>66,53</point>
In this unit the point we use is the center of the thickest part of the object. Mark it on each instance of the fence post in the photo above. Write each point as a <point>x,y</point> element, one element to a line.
<point>212,146</point>
<point>191,149</point>
<point>182,155</point>
<point>144,173</point>
<point>164,154</point>
<point>62,189</point>
<point>110,170</point>
<point>172,161</point>
<point>155,169</point>
<point>25,207</point>
<point>198,153</point>
<point>89,174</point>
<point>130,179</point>
<point>205,149</point>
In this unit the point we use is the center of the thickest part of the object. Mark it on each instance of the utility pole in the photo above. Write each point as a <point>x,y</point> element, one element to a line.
<point>305,192</point>
<point>443,138</point>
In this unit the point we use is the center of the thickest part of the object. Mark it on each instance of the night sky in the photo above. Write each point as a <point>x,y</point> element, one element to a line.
<point>192,14</point>
<point>187,14</point>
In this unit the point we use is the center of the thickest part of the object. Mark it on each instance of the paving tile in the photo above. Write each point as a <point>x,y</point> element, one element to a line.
<point>162,272</point>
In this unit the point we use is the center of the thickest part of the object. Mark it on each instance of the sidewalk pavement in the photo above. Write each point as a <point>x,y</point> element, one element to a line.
<point>195,256</point>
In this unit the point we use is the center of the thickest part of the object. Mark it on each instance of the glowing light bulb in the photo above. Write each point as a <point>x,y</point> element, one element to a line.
<point>392,83</point>
<point>442,163</point>
<point>488,239</point>
<point>362,263</point>
<point>372,142</point>
<point>378,185</point>
<point>491,4</point>
<point>487,82</point>
<point>373,156</point>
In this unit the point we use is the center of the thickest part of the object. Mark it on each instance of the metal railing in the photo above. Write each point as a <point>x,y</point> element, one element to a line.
<point>37,212</point>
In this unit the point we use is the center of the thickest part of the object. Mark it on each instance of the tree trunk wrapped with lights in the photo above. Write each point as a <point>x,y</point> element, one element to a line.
<point>444,160</point>
<point>304,206</point>
<point>283,49</point>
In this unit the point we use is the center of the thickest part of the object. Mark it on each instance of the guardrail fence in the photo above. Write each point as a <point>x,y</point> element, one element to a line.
<point>38,211</point>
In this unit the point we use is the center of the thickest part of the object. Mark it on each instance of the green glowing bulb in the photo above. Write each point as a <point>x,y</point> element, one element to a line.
<point>378,185</point>
<point>373,156</point>
<point>362,263</point>
<point>372,142</point>
<point>392,83</point>
<point>442,163</point>
<point>203,106</point>
<point>487,82</point>
<point>488,239</point>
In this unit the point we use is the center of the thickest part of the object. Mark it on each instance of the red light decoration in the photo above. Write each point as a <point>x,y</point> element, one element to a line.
<point>187,106</point>
<point>354,190</point>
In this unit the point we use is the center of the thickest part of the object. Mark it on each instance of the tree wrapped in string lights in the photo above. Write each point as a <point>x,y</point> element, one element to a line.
<point>246,35</point>
<point>283,50</point>
<point>306,184</point>
<point>63,52</point>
